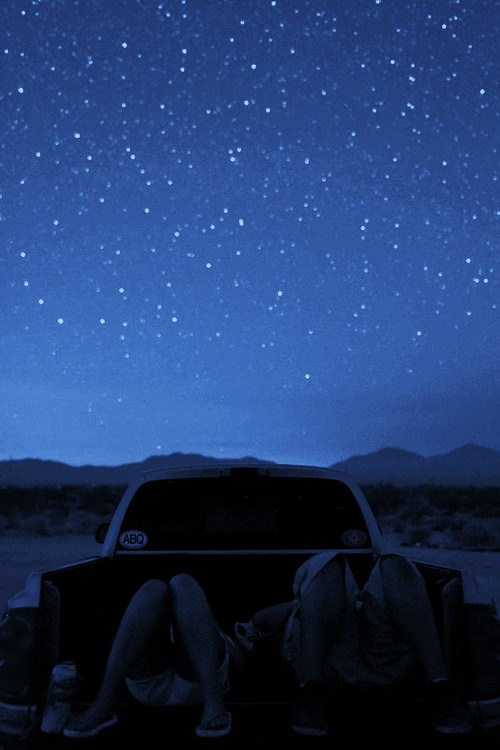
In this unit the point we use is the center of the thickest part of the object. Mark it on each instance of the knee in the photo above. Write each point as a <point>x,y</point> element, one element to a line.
<point>152,591</point>
<point>327,585</point>
<point>331,576</point>
<point>397,570</point>
<point>392,564</point>
<point>183,585</point>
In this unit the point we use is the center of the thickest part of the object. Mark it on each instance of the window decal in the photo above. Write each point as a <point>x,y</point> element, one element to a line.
<point>133,539</point>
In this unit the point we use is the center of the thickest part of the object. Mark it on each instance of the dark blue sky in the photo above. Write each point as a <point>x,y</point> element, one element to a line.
<point>248,228</point>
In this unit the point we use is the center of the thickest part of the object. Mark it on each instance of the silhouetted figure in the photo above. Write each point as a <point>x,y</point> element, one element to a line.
<point>334,635</point>
<point>169,651</point>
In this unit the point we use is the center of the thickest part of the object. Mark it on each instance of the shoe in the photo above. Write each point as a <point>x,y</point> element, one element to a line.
<point>247,635</point>
<point>449,712</point>
<point>310,717</point>
<point>92,731</point>
<point>310,721</point>
<point>219,725</point>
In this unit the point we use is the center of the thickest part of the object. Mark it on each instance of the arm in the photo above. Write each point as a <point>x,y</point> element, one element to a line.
<point>270,621</point>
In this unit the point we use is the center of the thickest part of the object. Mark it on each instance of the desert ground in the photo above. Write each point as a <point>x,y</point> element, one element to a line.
<point>21,554</point>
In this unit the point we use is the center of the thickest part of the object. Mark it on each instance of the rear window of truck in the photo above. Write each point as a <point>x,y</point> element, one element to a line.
<point>231,513</point>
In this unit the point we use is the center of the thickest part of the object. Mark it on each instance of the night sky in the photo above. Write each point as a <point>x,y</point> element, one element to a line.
<point>248,227</point>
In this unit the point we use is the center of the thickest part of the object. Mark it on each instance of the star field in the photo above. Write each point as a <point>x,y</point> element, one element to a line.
<point>248,228</point>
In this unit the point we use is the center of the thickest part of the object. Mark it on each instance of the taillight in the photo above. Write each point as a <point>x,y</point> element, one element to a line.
<point>483,627</point>
<point>16,653</point>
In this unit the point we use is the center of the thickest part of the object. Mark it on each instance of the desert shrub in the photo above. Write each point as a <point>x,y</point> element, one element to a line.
<point>417,514</point>
<point>57,509</point>
<point>81,522</point>
<point>440,523</point>
<point>37,525</point>
<point>397,526</point>
<point>487,504</point>
<point>460,517</point>
<point>384,498</point>
<point>418,536</point>
<point>480,501</point>
<point>438,515</point>
<point>476,535</point>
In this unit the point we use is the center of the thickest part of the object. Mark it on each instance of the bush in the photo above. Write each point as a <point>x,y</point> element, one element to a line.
<point>454,517</point>
<point>476,535</point>
<point>51,510</point>
<point>451,517</point>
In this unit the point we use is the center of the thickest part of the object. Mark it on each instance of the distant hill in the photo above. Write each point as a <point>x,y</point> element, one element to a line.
<point>35,471</point>
<point>470,465</point>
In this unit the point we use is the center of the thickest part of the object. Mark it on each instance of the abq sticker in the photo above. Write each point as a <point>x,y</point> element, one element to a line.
<point>133,539</point>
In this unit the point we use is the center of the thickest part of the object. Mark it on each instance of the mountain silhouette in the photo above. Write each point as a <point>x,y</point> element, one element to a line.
<point>35,471</point>
<point>469,465</point>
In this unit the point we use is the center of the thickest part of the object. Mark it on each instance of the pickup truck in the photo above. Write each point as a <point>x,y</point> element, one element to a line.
<point>242,531</point>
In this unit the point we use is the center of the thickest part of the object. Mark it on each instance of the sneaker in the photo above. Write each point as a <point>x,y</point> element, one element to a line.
<point>310,716</point>
<point>247,635</point>
<point>449,712</point>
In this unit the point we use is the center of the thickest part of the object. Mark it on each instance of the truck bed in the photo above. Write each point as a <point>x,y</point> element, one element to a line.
<point>92,597</point>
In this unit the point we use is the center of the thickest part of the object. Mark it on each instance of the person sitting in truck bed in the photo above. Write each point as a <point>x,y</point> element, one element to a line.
<point>168,650</point>
<point>333,634</point>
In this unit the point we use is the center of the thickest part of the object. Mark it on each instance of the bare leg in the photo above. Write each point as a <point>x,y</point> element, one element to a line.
<point>270,621</point>
<point>142,643</point>
<point>321,606</point>
<point>202,648</point>
<point>411,609</point>
<point>146,613</point>
<point>323,601</point>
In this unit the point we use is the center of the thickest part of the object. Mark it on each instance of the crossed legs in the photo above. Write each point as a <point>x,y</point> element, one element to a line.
<point>411,610</point>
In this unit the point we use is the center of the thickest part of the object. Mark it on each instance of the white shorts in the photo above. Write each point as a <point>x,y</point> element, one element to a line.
<point>170,689</point>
